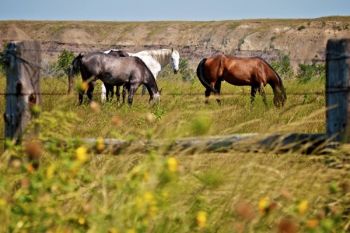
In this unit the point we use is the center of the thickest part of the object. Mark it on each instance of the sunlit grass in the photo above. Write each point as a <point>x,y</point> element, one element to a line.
<point>183,102</point>
<point>56,183</point>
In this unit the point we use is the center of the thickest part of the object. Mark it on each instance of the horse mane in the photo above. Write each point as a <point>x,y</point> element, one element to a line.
<point>281,87</point>
<point>140,61</point>
<point>274,71</point>
<point>75,68</point>
<point>160,55</point>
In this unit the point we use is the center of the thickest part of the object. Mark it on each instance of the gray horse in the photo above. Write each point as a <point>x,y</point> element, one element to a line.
<point>128,71</point>
<point>110,88</point>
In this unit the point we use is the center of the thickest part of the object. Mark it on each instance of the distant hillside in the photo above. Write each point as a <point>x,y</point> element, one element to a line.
<point>302,39</point>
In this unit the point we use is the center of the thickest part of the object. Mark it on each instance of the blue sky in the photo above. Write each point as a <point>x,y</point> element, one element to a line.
<point>140,10</point>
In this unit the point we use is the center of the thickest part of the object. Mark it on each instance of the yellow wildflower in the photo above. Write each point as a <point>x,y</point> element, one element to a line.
<point>263,204</point>
<point>81,154</point>
<point>146,176</point>
<point>2,202</point>
<point>84,86</point>
<point>172,164</point>
<point>148,197</point>
<point>131,231</point>
<point>201,219</point>
<point>303,206</point>
<point>20,224</point>
<point>30,168</point>
<point>81,221</point>
<point>312,223</point>
<point>50,171</point>
<point>100,144</point>
<point>112,230</point>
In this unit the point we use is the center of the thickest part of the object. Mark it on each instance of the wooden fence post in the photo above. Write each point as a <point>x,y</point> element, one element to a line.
<point>338,89</point>
<point>22,86</point>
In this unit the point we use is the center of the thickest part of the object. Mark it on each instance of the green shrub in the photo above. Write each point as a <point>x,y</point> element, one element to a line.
<point>64,61</point>
<point>309,72</point>
<point>283,67</point>
<point>185,71</point>
<point>2,61</point>
<point>2,68</point>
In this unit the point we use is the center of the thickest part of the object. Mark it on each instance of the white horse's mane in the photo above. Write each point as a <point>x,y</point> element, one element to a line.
<point>161,55</point>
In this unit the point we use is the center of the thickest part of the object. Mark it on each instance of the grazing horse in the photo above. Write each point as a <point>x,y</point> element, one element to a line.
<point>128,71</point>
<point>155,60</point>
<point>108,90</point>
<point>240,71</point>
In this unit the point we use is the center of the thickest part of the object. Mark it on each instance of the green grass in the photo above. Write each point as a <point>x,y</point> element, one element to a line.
<point>183,102</point>
<point>77,191</point>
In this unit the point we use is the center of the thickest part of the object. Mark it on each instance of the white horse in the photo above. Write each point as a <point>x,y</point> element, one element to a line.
<point>155,60</point>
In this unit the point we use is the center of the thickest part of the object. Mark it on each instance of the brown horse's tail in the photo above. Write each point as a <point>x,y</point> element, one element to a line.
<point>201,76</point>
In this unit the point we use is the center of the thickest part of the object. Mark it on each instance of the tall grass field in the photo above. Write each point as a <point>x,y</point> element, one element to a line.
<point>54,182</point>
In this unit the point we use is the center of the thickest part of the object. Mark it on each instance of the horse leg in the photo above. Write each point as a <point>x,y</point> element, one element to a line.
<point>263,94</point>
<point>117,93</point>
<point>125,87</point>
<point>253,91</point>
<point>143,90</point>
<point>110,92</point>
<point>85,77</point>
<point>81,95</point>
<point>90,90</point>
<point>218,88</point>
<point>103,92</point>
<point>207,94</point>
<point>106,93</point>
<point>132,90</point>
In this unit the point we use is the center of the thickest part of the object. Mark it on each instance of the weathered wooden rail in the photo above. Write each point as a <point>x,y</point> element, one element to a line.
<point>277,143</point>
<point>23,91</point>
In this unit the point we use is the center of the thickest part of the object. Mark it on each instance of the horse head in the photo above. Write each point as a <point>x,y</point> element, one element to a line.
<point>76,63</point>
<point>175,60</point>
<point>155,99</point>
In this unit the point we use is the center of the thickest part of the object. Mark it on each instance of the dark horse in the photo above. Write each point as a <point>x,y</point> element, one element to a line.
<point>128,71</point>
<point>110,88</point>
<point>249,71</point>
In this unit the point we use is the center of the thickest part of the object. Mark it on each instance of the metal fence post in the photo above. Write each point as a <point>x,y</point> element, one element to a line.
<point>338,89</point>
<point>22,86</point>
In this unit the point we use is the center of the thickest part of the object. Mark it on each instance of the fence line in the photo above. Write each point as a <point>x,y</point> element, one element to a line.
<point>180,94</point>
<point>337,90</point>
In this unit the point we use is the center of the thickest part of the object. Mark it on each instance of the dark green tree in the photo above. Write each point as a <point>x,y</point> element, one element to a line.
<point>64,61</point>
<point>283,67</point>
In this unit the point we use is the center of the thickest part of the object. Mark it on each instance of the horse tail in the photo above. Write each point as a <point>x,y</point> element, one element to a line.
<point>201,76</point>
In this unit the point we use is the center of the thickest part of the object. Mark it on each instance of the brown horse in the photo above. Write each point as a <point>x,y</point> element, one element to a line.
<point>239,71</point>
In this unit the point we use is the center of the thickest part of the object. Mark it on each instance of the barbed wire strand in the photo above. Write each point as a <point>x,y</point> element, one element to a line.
<point>330,57</point>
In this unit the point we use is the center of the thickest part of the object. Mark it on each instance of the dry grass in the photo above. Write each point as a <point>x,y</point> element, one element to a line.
<point>200,192</point>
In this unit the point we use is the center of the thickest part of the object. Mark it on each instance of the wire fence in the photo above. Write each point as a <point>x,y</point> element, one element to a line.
<point>39,66</point>
<point>329,57</point>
